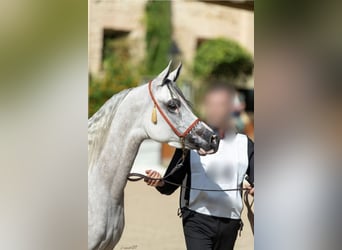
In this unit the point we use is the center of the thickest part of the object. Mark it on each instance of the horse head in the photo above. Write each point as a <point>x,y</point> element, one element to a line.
<point>171,119</point>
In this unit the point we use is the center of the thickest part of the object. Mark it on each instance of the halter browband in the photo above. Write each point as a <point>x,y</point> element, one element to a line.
<point>179,134</point>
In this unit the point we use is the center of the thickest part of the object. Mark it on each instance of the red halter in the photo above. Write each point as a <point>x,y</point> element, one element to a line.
<point>178,133</point>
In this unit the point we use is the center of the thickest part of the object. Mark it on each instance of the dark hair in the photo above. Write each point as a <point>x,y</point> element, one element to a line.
<point>218,86</point>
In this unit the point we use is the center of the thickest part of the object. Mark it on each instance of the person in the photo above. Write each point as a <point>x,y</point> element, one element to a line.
<point>211,219</point>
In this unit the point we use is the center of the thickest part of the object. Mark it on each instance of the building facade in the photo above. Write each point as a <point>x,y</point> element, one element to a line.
<point>192,23</point>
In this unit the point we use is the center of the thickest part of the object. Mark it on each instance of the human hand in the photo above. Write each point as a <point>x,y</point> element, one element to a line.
<point>153,174</point>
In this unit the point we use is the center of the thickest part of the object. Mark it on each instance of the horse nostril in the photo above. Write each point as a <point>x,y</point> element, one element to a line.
<point>213,139</point>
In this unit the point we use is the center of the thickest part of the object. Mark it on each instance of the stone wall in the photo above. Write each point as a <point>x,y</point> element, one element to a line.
<point>115,15</point>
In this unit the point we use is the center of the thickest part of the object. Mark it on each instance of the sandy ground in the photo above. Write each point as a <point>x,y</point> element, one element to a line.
<point>152,222</point>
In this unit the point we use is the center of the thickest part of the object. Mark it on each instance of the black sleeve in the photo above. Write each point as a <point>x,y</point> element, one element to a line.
<point>250,169</point>
<point>178,175</point>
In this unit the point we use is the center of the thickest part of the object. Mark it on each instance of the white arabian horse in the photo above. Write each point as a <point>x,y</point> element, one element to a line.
<point>157,111</point>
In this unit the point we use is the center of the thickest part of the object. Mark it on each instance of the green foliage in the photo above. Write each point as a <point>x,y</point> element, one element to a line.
<point>158,35</point>
<point>119,74</point>
<point>222,58</point>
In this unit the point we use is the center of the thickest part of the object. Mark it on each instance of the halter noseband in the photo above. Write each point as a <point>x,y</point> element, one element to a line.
<point>177,132</point>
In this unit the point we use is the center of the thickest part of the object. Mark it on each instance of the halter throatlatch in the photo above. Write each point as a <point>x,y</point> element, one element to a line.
<point>180,134</point>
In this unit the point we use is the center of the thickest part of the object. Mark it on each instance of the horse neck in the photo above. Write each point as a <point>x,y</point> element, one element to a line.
<point>124,138</point>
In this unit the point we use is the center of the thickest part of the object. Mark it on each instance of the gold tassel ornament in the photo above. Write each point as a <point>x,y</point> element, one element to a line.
<point>154,115</point>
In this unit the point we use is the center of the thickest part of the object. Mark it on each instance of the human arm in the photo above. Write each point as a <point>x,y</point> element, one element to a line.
<point>250,169</point>
<point>177,176</point>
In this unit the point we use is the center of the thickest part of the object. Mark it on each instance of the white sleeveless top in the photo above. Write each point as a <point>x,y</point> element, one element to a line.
<point>223,170</point>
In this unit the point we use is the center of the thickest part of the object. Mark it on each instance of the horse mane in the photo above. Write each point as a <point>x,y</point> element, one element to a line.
<point>99,124</point>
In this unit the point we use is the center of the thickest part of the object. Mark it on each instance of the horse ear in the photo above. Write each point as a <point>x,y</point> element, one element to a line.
<point>165,73</point>
<point>174,74</point>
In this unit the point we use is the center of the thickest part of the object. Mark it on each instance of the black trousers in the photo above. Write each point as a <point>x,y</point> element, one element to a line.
<point>204,232</point>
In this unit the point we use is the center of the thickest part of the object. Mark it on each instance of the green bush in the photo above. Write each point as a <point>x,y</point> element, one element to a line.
<point>158,35</point>
<point>222,58</point>
<point>118,74</point>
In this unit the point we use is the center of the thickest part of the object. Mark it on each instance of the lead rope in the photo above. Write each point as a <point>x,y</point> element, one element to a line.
<point>250,213</point>
<point>138,177</point>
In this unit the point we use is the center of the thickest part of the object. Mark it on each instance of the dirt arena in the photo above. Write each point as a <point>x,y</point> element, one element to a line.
<point>152,222</point>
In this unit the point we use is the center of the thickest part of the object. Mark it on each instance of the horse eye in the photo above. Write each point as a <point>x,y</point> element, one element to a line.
<point>172,105</point>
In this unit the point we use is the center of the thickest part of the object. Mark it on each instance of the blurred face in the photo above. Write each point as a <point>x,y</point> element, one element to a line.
<point>218,108</point>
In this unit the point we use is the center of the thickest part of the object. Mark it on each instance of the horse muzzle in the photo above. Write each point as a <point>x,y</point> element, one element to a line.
<point>203,139</point>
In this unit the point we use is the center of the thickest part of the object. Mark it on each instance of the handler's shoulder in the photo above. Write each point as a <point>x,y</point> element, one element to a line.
<point>240,136</point>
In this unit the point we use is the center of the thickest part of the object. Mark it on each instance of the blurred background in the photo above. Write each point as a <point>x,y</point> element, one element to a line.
<point>131,42</point>
<point>44,76</point>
